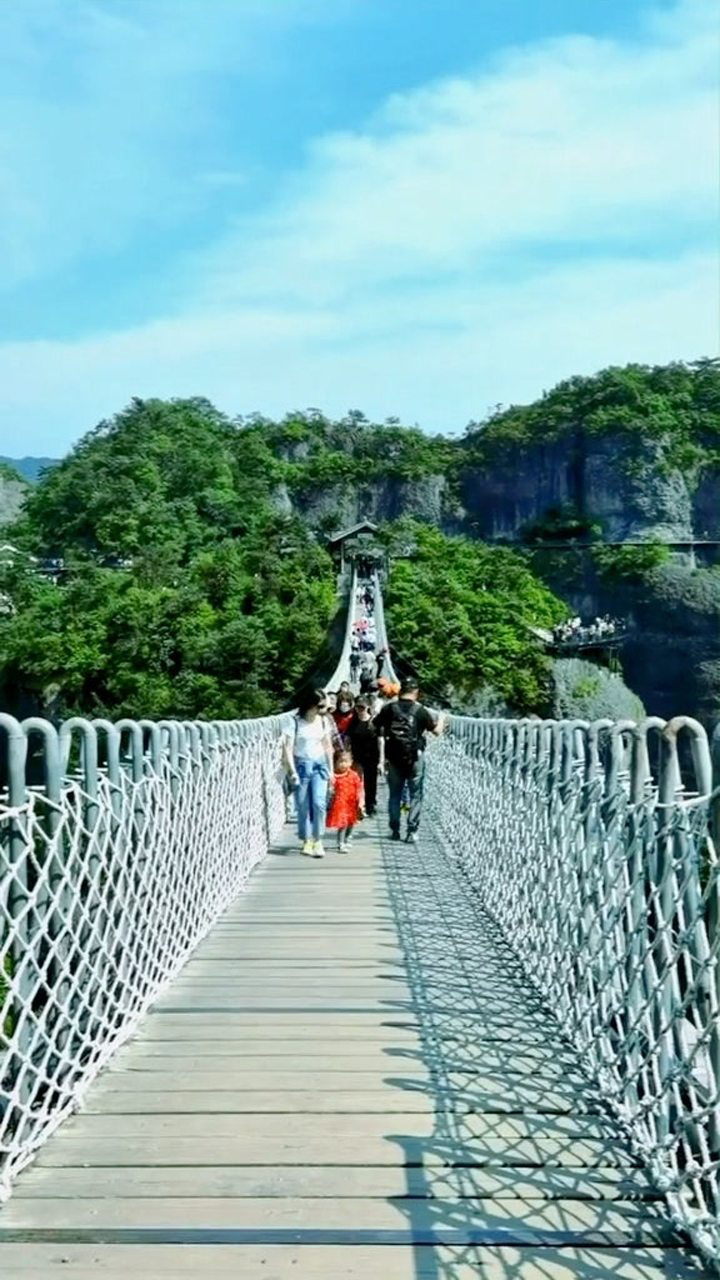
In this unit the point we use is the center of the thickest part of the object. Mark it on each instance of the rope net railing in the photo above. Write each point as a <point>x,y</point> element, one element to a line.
<point>591,846</point>
<point>120,845</point>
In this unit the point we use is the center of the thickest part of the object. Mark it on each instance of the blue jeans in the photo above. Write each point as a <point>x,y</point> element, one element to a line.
<point>397,778</point>
<point>311,797</point>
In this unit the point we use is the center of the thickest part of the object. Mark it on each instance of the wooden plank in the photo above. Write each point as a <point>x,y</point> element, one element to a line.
<point>460,1127</point>
<point>277,970</point>
<point>500,1023</point>
<point>347,1181</point>
<point>388,1099</point>
<point>473,1086</point>
<point>398,1147</point>
<point>319,1066</point>
<point>605,1222</point>
<point>349,994</point>
<point>344,1021</point>
<point>142,1102</point>
<point>341,1262</point>
<point>318,1057</point>
<point>307,953</point>
<point>210,1027</point>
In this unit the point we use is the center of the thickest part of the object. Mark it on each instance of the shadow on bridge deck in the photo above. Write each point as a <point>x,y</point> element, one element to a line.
<point>349,1079</point>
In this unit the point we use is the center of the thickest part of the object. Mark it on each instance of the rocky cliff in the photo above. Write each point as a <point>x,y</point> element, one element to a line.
<point>619,490</point>
<point>12,494</point>
<point>430,499</point>
<point>590,489</point>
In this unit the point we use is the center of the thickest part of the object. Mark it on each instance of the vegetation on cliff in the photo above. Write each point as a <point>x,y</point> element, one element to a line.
<point>676,406</point>
<point>630,563</point>
<point>10,473</point>
<point>307,451</point>
<point>582,690</point>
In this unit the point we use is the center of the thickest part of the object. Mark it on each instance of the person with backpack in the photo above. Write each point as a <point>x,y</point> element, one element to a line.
<point>402,727</point>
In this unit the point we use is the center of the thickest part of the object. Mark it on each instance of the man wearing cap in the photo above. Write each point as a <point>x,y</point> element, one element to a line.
<point>402,727</point>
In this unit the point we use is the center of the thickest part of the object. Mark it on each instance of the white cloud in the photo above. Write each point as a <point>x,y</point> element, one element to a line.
<point>478,240</point>
<point>106,111</point>
<point>574,140</point>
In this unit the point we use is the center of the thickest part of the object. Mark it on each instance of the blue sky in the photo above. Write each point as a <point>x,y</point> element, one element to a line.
<point>414,207</point>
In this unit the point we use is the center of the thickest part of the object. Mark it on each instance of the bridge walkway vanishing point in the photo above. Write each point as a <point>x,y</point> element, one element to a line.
<point>349,1078</point>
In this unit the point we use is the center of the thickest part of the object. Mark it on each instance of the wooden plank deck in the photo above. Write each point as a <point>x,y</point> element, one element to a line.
<point>348,1079</point>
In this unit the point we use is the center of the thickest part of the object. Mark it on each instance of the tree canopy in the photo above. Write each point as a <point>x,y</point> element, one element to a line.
<point>461,612</point>
<point>221,604</point>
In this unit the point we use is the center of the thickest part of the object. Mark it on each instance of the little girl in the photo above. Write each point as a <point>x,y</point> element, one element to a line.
<point>346,808</point>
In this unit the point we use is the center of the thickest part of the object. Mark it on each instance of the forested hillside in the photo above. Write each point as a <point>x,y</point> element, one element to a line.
<point>222,602</point>
<point>217,601</point>
<point>227,589</point>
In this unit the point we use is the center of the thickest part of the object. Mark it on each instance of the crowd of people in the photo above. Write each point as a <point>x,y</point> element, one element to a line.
<point>367,661</point>
<point>342,742</point>
<point>574,631</point>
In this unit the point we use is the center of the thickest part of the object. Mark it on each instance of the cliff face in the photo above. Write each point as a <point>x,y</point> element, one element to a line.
<point>628,489</point>
<point>671,656</point>
<point>427,498</point>
<point>582,690</point>
<point>12,496</point>
<point>673,652</point>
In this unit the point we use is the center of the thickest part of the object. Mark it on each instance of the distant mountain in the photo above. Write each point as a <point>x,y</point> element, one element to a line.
<point>30,468</point>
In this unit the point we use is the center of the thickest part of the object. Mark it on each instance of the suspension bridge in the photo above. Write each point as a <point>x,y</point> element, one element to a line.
<point>496,1054</point>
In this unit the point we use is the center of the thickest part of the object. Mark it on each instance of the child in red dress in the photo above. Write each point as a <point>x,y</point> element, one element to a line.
<point>348,801</point>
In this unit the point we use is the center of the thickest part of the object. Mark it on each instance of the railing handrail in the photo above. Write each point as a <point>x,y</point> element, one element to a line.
<point>120,844</point>
<point>591,847</point>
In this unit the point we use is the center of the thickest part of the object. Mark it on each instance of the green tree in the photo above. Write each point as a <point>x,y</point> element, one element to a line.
<point>461,613</point>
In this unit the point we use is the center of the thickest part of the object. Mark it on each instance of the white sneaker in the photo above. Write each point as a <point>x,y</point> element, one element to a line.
<point>318,851</point>
<point>308,848</point>
<point>343,848</point>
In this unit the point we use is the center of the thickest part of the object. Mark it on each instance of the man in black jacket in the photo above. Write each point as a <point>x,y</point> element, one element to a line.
<point>402,727</point>
<point>363,739</point>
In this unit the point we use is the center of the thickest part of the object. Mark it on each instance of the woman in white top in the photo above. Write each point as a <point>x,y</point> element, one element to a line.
<point>310,761</point>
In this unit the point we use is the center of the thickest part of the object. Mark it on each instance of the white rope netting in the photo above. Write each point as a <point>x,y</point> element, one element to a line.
<point>110,876</point>
<point>599,866</point>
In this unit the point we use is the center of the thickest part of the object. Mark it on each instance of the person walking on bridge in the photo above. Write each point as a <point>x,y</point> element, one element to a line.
<point>402,727</point>
<point>309,759</point>
<point>363,740</point>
